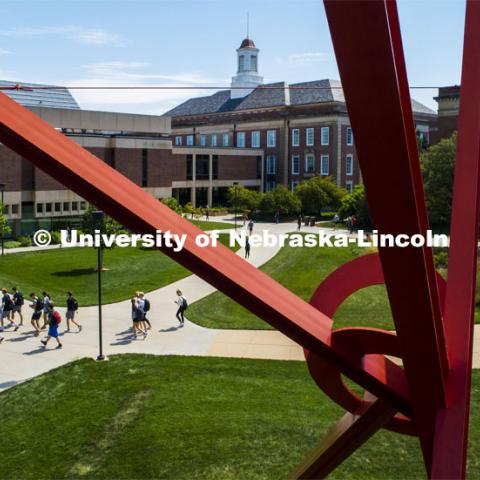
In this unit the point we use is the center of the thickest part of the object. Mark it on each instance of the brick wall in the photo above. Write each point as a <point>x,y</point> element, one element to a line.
<point>10,169</point>
<point>237,168</point>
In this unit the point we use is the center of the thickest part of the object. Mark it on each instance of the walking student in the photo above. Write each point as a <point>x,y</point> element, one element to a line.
<point>46,311</point>
<point>54,319</point>
<point>137,316</point>
<point>18,302</point>
<point>250,226</point>
<point>37,306</point>
<point>144,305</point>
<point>247,248</point>
<point>182,306</point>
<point>7,308</point>
<point>72,309</point>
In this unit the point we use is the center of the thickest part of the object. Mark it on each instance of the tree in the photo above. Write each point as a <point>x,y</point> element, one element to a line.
<point>244,198</point>
<point>89,225</point>
<point>355,203</point>
<point>281,199</point>
<point>318,193</point>
<point>172,204</point>
<point>4,227</point>
<point>438,164</point>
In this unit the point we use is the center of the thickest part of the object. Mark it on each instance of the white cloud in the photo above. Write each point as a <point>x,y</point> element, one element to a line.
<point>4,52</point>
<point>83,35</point>
<point>303,59</point>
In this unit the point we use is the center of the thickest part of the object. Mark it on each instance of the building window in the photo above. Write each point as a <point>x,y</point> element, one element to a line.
<point>309,137</point>
<point>241,139</point>
<point>189,167</point>
<point>309,163</point>
<point>178,141</point>
<point>15,209</point>
<point>259,167</point>
<point>225,140</point>
<point>349,186</point>
<point>295,137</point>
<point>241,63</point>
<point>75,206</point>
<point>253,63</point>
<point>203,140</point>
<point>144,167</point>
<point>66,206</point>
<point>58,207</point>
<point>39,207</point>
<point>214,141</point>
<point>271,138</point>
<point>256,139</point>
<point>214,167</point>
<point>295,164</point>
<point>201,167</point>
<point>294,185</point>
<point>271,164</point>
<point>349,164</point>
<point>324,165</point>
<point>83,206</point>
<point>190,140</point>
<point>349,136</point>
<point>48,208</point>
<point>270,185</point>
<point>325,135</point>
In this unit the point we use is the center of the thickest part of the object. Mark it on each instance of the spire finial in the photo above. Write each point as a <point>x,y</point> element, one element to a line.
<point>248,24</point>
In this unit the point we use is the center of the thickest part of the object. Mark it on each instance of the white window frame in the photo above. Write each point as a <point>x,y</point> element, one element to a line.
<point>271,138</point>
<point>310,131</point>
<point>349,138</point>
<point>225,140</point>
<point>190,141</point>
<point>349,159</point>
<point>325,132</point>
<point>255,139</point>
<point>324,160</point>
<point>203,140</point>
<point>213,141</point>
<point>349,186</point>
<point>241,136</point>
<point>308,157</point>
<point>297,170</point>
<point>178,141</point>
<point>295,137</point>
<point>271,160</point>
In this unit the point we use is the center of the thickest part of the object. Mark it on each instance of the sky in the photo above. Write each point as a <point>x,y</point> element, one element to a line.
<point>193,43</point>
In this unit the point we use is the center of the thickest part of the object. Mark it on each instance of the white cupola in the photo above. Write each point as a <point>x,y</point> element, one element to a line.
<point>247,75</point>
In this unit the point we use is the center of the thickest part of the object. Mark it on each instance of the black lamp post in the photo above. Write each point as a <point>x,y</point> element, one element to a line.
<point>2,189</point>
<point>235,185</point>
<point>98,217</point>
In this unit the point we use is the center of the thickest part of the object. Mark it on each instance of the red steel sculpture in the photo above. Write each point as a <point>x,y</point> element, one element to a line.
<point>429,396</point>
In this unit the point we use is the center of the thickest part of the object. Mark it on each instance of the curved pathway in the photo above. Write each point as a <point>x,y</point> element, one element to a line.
<point>23,357</point>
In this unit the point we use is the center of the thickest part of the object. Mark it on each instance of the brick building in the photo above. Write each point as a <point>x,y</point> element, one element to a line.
<point>302,128</point>
<point>448,100</point>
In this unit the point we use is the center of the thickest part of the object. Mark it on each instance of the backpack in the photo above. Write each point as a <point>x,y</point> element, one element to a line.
<point>8,303</point>
<point>146,306</point>
<point>20,300</point>
<point>75,304</point>
<point>56,315</point>
<point>185,303</point>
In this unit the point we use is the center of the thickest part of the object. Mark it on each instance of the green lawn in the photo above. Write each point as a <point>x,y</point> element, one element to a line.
<point>211,225</point>
<point>300,270</point>
<point>145,417</point>
<point>56,271</point>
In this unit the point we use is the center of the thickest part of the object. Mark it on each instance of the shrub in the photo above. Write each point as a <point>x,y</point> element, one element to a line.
<point>172,204</point>
<point>281,199</point>
<point>56,237</point>
<point>319,193</point>
<point>24,241</point>
<point>12,244</point>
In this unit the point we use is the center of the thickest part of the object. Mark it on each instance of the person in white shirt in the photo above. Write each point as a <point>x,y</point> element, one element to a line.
<point>182,306</point>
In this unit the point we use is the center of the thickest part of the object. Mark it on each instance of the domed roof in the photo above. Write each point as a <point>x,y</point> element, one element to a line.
<point>247,43</point>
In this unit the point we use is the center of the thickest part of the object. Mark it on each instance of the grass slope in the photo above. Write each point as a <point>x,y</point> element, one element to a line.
<point>56,271</point>
<point>146,417</point>
<point>300,270</point>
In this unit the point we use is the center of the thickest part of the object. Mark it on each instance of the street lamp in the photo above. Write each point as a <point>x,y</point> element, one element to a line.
<point>98,217</point>
<point>2,190</point>
<point>235,185</point>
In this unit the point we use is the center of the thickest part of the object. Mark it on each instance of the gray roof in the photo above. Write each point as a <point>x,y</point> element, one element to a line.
<point>304,93</point>
<point>56,97</point>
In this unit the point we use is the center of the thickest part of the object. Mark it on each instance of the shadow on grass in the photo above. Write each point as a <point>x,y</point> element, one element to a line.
<point>77,272</point>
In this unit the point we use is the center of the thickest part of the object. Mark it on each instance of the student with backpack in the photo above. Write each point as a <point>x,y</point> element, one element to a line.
<point>72,308</point>
<point>137,315</point>
<point>37,306</point>
<point>46,302</point>
<point>182,306</point>
<point>7,308</point>
<point>144,306</point>
<point>18,302</point>
<point>54,319</point>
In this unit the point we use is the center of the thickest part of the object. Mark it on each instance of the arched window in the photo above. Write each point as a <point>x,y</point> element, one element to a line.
<point>241,63</point>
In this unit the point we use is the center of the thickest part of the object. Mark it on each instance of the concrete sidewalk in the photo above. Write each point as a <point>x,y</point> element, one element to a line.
<point>23,357</point>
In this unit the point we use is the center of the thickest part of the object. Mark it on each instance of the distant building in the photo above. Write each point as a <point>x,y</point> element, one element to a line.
<point>448,100</point>
<point>303,128</point>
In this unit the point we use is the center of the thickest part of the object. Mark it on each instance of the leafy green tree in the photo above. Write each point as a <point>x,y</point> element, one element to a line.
<point>281,199</point>
<point>244,198</point>
<point>4,227</point>
<point>438,164</point>
<point>89,225</point>
<point>318,193</point>
<point>355,203</point>
<point>172,204</point>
